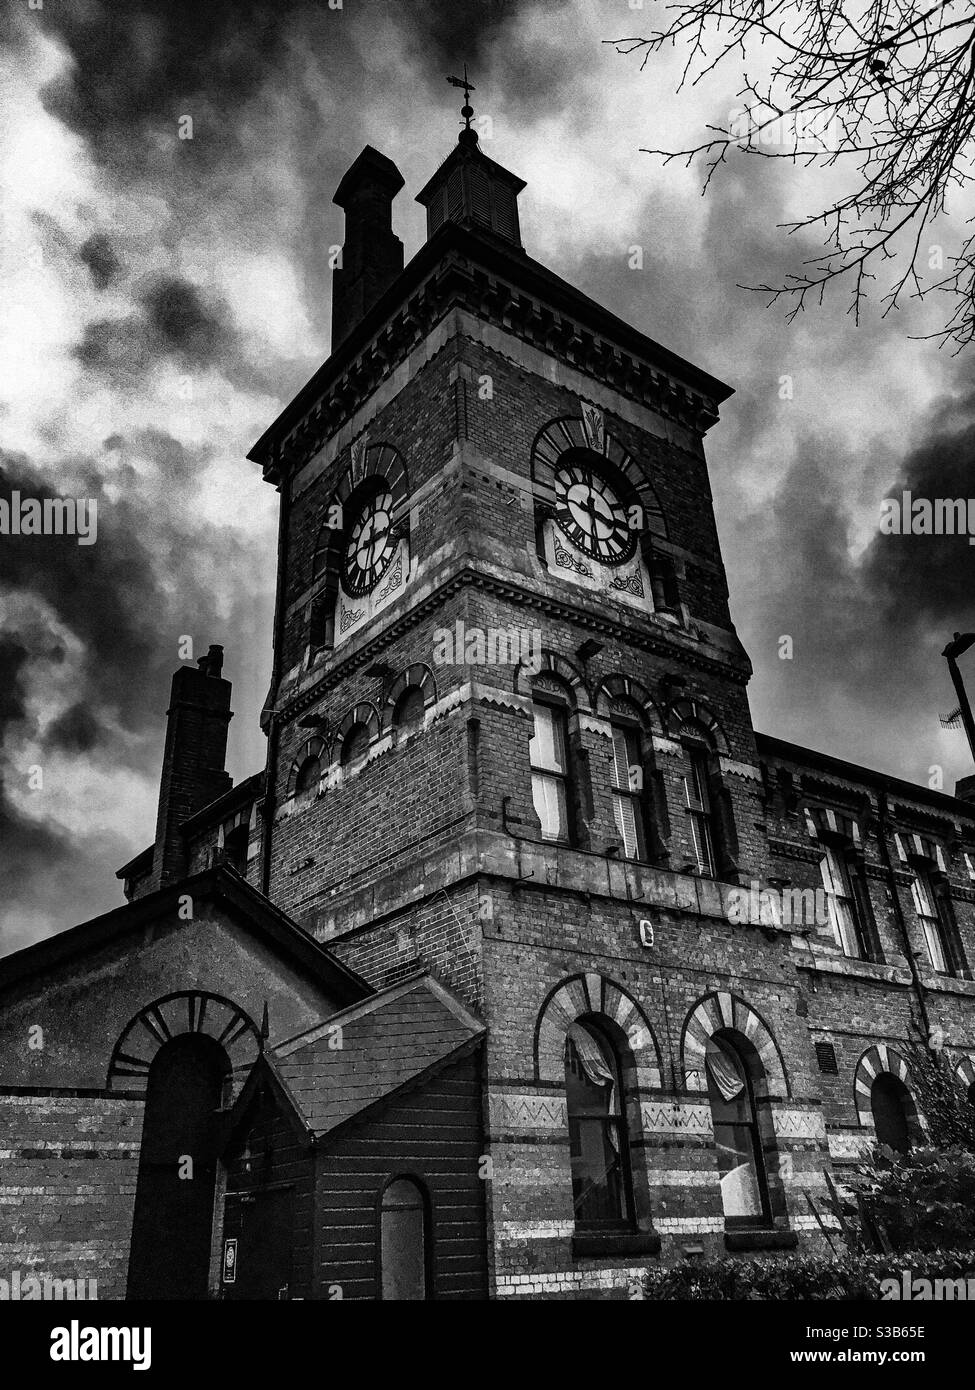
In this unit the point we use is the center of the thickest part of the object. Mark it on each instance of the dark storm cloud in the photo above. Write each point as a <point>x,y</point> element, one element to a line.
<point>181,324</point>
<point>126,609</point>
<point>99,256</point>
<point>173,320</point>
<point>137,68</point>
<point>74,731</point>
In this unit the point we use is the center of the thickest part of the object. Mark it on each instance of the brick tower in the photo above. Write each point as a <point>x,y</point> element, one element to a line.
<point>509,737</point>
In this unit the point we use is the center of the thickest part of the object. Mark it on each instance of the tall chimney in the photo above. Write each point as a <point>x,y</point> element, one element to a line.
<point>193,772</point>
<point>372,255</point>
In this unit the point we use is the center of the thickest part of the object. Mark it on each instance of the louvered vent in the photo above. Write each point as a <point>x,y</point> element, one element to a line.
<point>826,1057</point>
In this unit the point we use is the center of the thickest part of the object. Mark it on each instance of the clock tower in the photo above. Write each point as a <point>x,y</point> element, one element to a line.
<point>508,733</point>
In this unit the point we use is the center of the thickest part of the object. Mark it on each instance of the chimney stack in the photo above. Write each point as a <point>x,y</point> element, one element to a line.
<point>372,256</point>
<point>193,772</point>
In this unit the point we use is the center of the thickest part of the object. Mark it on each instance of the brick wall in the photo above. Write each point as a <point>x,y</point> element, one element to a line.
<point>68,1166</point>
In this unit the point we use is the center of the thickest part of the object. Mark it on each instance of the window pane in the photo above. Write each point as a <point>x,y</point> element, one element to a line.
<point>696,784</point>
<point>626,754</point>
<point>888,1106</point>
<point>701,838</point>
<point>596,1133</point>
<point>921,896</point>
<point>735,1132</point>
<point>548,794</point>
<point>547,747</point>
<point>597,1179</point>
<point>932,939</point>
<point>740,1193</point>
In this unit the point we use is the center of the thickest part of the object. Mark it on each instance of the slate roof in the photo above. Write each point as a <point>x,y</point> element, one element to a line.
<point>387,1042</point>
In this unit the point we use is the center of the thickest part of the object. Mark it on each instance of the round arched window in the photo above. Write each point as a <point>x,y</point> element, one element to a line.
<point>309,774</point>
<point>408,712</point>
<point>355,745</point>
<point>890,1103</point>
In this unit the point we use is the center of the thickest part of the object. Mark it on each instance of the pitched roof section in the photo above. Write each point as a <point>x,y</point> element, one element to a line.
<point>386,1043</point>
<point>243,903</point>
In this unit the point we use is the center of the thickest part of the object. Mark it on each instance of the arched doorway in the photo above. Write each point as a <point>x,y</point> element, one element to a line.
<point>893,1112</point>
<point>404,1256</point>
<point>171,1228</point>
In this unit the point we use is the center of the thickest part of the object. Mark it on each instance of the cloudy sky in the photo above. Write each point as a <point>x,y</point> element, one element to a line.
<point>163,298</point>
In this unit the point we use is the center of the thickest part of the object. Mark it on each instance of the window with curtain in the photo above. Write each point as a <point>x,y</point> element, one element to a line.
<point>842,904</point>
<point>597,1131</point>
<point>627,789</point>
<point>697,799</point>
<point>932,924</point>
<point>548,754</point>
<point>355,745</point>
<point>309,775</point>
<point>408,713</point>
<point>744,1188</point>
<point>403,1242</point>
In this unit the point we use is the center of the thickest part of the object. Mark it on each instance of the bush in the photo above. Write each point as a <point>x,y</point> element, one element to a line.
<point>801,1277</point>
<point>922,1200</point>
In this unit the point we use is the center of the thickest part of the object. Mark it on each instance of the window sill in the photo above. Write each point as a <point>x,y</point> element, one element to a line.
<point>743,1240</point>
<point>593,1245</point>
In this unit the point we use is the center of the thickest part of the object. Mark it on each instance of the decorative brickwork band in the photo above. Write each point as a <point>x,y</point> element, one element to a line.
<point>724,1010</point>
<point>593,994</point>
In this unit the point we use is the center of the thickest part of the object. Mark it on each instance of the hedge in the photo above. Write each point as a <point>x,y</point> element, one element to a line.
<point>802,1277</point>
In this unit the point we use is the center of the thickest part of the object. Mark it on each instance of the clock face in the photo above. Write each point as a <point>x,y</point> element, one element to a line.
<point>590,514</point>
<point>370,546</point>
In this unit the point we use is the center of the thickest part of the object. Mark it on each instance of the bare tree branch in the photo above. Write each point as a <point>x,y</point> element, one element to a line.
<point>883,90</point>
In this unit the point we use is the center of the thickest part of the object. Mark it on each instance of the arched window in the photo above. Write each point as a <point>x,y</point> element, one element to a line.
<point>892,1108</point>
<point>171,1227</point>
<point>355,745</point>
<point>403,1256</point>
<point>744,1184</point>
<point>598,1144</point>
<point>408,711</point>
<point>309,774</point>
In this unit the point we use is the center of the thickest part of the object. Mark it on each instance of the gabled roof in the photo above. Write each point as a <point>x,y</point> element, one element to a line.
<point>244,904</point>
<point>387,1043</point>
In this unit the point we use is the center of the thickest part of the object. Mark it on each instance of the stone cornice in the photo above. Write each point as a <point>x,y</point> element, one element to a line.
<point>643,640</point>
<point>459,269</point>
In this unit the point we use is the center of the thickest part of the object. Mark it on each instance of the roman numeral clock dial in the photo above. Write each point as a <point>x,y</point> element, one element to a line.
<point>370,545</point>
<point>591,515</point>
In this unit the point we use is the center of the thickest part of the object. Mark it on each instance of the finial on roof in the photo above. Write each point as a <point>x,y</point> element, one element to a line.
<point>468,136</point>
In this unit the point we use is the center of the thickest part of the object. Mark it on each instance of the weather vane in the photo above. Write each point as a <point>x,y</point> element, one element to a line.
<point>467,110</point>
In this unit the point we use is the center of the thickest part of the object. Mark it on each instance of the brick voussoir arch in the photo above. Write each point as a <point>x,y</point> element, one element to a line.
<point>592,993</point>
<point>696,712</point>
<point>620,687</point>
<point>172,1015</point>
<point>554,665</point>
<point>876,1060</point>
<point>363,713</point>
<point>419,677</point>
<point>722,1009</point>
